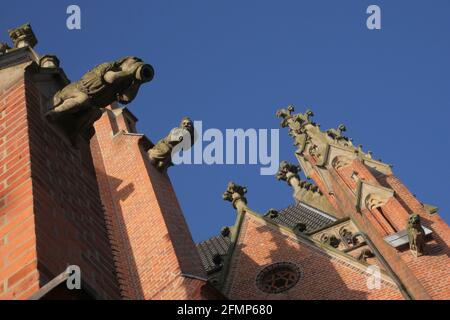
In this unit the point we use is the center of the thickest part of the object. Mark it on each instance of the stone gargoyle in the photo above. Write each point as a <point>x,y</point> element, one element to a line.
<point>416,235</point>
<point>78,105</point>
<point>161,154</point>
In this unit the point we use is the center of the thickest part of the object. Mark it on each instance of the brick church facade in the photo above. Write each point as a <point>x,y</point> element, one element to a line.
<point>355,232</point>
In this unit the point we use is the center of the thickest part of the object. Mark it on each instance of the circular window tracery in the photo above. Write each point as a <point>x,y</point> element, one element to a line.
<point>278,277</point>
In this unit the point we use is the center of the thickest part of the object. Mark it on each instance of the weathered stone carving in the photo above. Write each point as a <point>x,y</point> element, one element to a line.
<point>416,235</point>
<point>161,154</point>
<point>308,186</point>
<point>272,213</point>
<point>23,36</point>
<point>330,239</point>
<point>106,83</point>
<point>217,259</point>
<point>305,118</point>
<point>4,47</point>
<point>300,227</point>
<point>285,114</point>
<point>287,171</point>
<point>348,237</point>
<point>296,125</point>
<point>49,61</point>
<point>77,106</point>
<point>236,195</point>
<point>225,231</point>
<point>315,151</point>
<point>337,135</point>
<point>365,254</point>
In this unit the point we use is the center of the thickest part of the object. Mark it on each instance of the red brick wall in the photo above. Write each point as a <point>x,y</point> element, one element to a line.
<point>148,226</point>
<point>52,215</point>
<point>18,256</point>
<point>422,276</point>
<point>323,276</point>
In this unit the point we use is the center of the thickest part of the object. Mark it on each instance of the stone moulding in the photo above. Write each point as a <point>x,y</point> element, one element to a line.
<point>337,156</point>
<point>366,193</point>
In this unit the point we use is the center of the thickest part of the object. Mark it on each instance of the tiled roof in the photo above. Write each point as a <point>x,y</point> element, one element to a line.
<point>302,213</point>
<point>289,217</point>
<point>211,247</point>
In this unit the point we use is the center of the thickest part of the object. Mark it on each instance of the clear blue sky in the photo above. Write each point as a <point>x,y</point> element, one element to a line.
<point>233,63</point>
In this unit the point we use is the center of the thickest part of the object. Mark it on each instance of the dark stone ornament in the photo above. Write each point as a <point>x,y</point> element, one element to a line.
<point>416,235</point>
<point>161,154</point>
<point>300,227</point>
<point>365,254</point>
<point>330,240</point>
<point>272,213</point>
<point>78,105</point>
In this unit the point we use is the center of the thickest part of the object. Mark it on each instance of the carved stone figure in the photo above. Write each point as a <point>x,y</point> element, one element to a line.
<point>161,154</point>
<point>77,105</point>
<point>330,239</point>
<point>348,237</point>
<point>365,254</point>
<point>416,235</point>
<point>106,83</point>
<point>314,151</point>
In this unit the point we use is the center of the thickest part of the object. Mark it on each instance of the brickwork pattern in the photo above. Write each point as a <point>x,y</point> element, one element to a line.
<point>322,276</point>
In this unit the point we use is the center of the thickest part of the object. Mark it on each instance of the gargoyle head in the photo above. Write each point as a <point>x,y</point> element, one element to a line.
<point>143,72</point>
<point>414,221</point>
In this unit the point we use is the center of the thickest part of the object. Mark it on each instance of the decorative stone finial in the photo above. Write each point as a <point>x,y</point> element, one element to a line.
<point>77,106</point>
<point>161,154</point>
<point>300,227</point>
<point>23,36</point>
<point>225,231</point>
<point>217,259</point>
<point>305,118</point>
<point>285,114</point>
<point>289,173</point>
<point>49,61</point>
<point>416,235</point>
<point>236,195</point>
<point>286,171</point>
<point>296,124</point>
<point>337,134</point>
